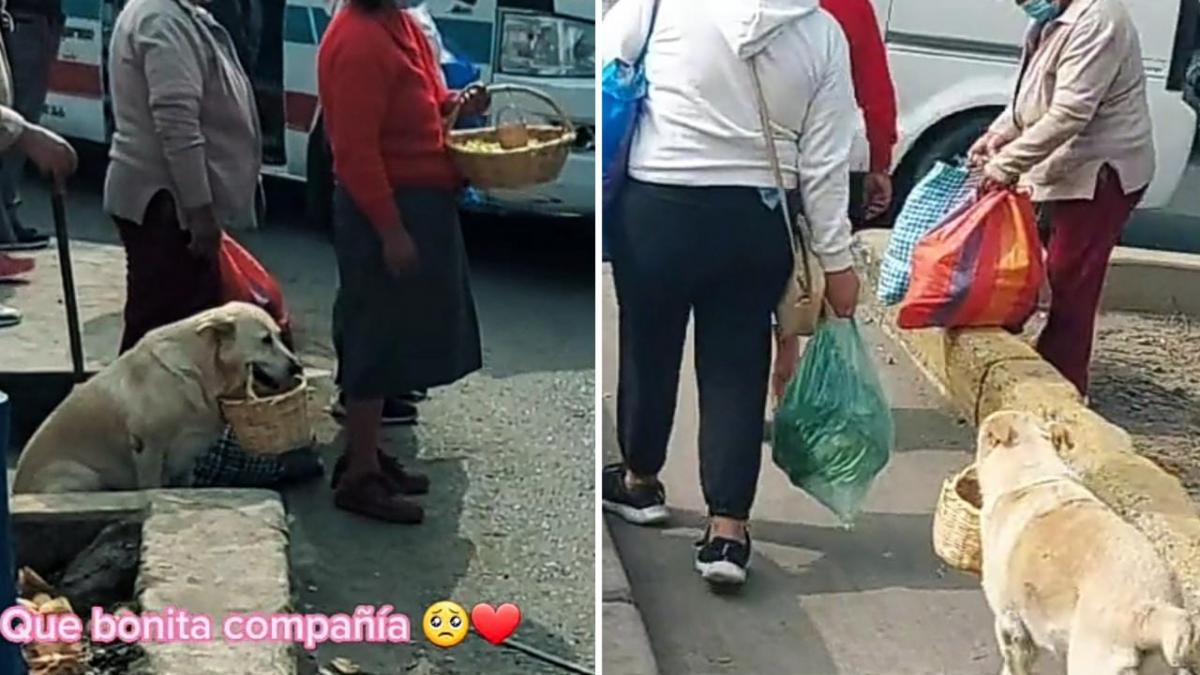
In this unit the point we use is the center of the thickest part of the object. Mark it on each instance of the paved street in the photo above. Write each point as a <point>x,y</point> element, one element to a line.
<point>510,450</point>
<point>820,600</point>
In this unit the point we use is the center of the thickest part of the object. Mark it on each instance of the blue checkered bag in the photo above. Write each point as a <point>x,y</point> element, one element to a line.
<point>942,191</point>
<point>226,465</point>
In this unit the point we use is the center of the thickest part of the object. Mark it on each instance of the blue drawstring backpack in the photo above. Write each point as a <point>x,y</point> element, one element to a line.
<point>623,88</point>
<point>461,72</point>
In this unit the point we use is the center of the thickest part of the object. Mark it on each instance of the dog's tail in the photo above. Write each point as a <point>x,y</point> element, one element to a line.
<point>1173,630</point>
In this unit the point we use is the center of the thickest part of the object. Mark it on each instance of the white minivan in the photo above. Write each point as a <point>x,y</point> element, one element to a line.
<point>954,63</point>
<point>490,33</point>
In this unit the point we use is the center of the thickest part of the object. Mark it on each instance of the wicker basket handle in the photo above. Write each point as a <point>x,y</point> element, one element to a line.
<point>251,395</point>
<point>452,118</point>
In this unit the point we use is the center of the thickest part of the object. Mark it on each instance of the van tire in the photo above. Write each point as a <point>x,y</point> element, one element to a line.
<point>318,189</point>
<point>945,141</point>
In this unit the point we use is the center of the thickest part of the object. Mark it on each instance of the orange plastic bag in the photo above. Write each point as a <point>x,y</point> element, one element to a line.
<point>982,267</point>
<point>244,279</point>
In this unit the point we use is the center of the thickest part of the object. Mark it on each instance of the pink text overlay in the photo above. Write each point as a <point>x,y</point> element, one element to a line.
<point>367,624</point>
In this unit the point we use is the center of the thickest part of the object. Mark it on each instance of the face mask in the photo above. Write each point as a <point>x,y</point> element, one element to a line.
<point>1042,11</point>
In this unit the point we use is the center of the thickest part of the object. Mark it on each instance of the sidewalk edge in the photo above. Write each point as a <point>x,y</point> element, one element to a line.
<point>625,643</point>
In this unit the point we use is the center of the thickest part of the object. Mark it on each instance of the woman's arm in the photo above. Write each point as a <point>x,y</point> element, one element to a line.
<point>358,81</point>
<point>172,63</point>
<point>825,145</point>
<point>12,126</point>
<point>1005,126</point>
<point>1089,63</point>
<point>873,87</point>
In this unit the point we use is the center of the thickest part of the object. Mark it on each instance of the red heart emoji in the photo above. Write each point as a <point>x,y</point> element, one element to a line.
<point>496,625</point>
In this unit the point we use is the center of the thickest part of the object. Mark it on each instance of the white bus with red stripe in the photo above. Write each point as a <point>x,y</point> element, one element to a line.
<point>77,105</point>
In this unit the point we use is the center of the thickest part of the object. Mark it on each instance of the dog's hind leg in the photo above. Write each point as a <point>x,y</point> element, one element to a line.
<point>1093,653</point>
<point>66,476</point>
<point>1171,629</point>
<point>1016,645</point>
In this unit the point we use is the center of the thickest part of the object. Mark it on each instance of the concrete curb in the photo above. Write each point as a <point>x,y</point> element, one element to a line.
<point>983,371</point>
<point>213,552</point>
<point>626,644</point>
<point>1154,282</point>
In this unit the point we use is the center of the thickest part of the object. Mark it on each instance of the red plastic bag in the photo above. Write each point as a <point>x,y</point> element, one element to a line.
<point>244,279</point>
<point>983,267</point>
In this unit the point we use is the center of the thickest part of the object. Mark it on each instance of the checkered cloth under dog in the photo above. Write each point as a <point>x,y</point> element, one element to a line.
<point>942,191</point>
<point>227,465</point>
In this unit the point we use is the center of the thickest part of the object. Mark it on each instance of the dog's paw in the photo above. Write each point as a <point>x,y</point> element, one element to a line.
<point>1176,631</point>
<point>1061,437</point>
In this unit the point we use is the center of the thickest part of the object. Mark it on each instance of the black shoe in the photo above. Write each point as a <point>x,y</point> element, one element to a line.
<point>645,505</point>
<point>721,561</point>
<point>27,240</point>
<point>417,396</point>
<point>405,482</point>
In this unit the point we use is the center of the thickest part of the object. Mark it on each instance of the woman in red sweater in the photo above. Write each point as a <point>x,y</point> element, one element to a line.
<point>404,316</point>
<point>876,96</point>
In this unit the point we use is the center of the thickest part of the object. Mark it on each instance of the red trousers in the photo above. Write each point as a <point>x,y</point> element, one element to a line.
<point>1083,235</point>
<point>165,282</point>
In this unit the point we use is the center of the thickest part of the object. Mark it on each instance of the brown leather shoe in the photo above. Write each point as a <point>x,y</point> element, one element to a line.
<point>372,496</point>
<point>405,482</point>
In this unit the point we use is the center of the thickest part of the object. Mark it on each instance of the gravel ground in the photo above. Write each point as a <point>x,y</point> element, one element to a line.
<point>1146,378</point>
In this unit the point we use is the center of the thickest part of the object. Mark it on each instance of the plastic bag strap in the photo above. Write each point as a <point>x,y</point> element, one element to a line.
<point>797,242</point>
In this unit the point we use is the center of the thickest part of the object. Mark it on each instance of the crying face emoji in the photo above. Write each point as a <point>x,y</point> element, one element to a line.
<point>446,624</point>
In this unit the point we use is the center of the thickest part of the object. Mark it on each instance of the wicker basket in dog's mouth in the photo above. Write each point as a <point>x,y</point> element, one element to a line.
<point>512,157</point>
<point>270,425</point>
<point>956,538</point>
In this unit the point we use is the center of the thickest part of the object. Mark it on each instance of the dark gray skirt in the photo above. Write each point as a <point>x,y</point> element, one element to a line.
<point>395,335</point>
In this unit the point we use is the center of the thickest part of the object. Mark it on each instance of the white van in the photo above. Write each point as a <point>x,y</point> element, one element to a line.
<point>485,31</point>
<point>955,62</point>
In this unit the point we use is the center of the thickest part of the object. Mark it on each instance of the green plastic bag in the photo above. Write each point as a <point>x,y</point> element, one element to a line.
<point>833,428</point>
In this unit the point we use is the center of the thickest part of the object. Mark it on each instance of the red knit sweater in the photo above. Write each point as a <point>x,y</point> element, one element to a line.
<point>872,78</point>
<point>382,100</point>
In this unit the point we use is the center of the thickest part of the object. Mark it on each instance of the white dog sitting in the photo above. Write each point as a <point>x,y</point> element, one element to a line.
<point>143,421</point>
<point>1063,572</point>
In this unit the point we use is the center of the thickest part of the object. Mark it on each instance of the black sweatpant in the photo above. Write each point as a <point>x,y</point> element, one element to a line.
<point>718,253</point>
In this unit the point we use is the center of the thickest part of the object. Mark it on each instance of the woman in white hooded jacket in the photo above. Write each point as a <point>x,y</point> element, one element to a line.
<point>701,232</point>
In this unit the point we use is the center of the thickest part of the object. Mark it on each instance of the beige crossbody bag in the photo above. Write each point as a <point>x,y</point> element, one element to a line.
<point>799,310</point>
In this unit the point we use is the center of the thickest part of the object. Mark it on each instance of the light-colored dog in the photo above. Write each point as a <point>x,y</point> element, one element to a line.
<point>143,421</point>
<point>1063,572</point>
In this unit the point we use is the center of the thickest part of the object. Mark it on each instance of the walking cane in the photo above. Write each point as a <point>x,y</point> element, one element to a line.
<point>68,280</point>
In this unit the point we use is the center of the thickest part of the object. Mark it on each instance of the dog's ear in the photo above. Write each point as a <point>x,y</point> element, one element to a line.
<point>1061,438</point>
<point>1001,434</point>
<point>221,327</point>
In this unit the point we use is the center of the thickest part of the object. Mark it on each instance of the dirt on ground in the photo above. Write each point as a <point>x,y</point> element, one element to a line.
<point>1146,378</point>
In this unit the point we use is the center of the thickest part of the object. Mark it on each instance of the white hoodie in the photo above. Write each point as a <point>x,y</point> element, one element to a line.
<point>700,125</point>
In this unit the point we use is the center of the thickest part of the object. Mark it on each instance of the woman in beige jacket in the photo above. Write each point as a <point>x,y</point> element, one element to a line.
<point>1077,134</point>
<point>185,157</point>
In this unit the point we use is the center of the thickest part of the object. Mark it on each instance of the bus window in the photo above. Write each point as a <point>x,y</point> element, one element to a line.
<point>321,21</point>
<point>298,26</point>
